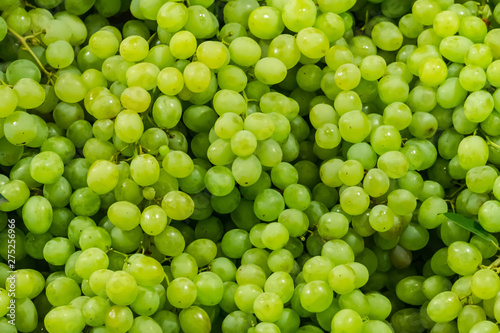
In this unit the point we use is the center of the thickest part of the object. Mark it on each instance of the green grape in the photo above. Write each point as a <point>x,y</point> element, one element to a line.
<point>213,54</point>
<point>354,126</point>
<point>37,214</point>
<point>144,323</point>
<point>238,320</point>
<point>10,101</point>
<point>281,260</point>
<point>380,306</point>
<point>108,8</point>
<point>246,170</point>
<point>297,196</point>
<point>283,175</point>
<point>333,225</point>
<point>3,27</point>
<point>381,218</point>
<point>143,75</point>
<point>104,44</point>
<point>78,89</point>
<point>66,114</point>
<point>194,319</point>
<point>265,22</point>
<point>245,296</point>
<point>84,202</point>
<point>392,88</point>
<point>153,220</point>
<point>486,213</point>
<point>58,250</point>
<point>347,76</point>
<point>347,320</point>
<point>342,279</point>
<point>354,200</point>
<point>274,236</point>
<point>268,205</point>
<point>102,176</point>
<point>284,48</point>
<point>172,16</point>
<point>232,77</point>
<point>270,70</point>
<point>335,7</point>
<point>338,251</point>
<point>135,98</point>
<point>298,15</point>
<point>480,179</point>
<point>316,296</point>
<point>167,320</point>
<point>28,283</point>
<point>491,71</point>
<point>170,241</point>
<point>97,281</point>
<point>444,307</point>
<point>373,67</point>
<point>409,26</point>
<point>61,291</point>
<point>184,265</point>
<point>235,242</point>
<point>322,114</point>
<point>22,68</point>
<point>91,260</point>
<point>478,106</point>
<point>328,136</point>
<point>243,143</point>
<point>34,98</point>
<point>145,170</point>
<point>138,264</point>
<point>134,48</point>
<point>484,326</point>
<point>203,250</point>
<point>170,81</point>
<point>95,237</point>
<point>346,101</point>
<point>197,77</point>
<point>121,288</point>
<point>268,307</point>
<point>472,152</point>
<point>483,278</point>
<point>387,36</point>
<point>295,221</point>
<point>64,318</point>
<point>167,111</point>
<point>119,318</point>
<point>463,257</point>
<point>317,268</point>
<point>181,292</point>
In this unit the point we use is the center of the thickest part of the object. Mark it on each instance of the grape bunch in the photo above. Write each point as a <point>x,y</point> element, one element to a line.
<point>244,166</point>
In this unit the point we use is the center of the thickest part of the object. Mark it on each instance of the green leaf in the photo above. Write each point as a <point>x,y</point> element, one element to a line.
<point>471,225</point>
<point>3,199</point>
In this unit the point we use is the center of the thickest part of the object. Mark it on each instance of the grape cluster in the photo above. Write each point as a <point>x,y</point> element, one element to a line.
<point>282,166</point>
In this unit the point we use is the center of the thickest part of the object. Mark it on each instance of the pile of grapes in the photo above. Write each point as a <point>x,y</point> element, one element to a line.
<point>274,166</point>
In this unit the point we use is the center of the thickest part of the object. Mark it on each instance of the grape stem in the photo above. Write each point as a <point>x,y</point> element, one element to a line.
<point>123,254</point>
<point>367,18</point>
<point>27,4</point>
<point>151,38</point>
<point>28,48</point>
<point>491,143</point>
<point>451,202</point>
<point>458,190</point>
<point>495,263</point>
